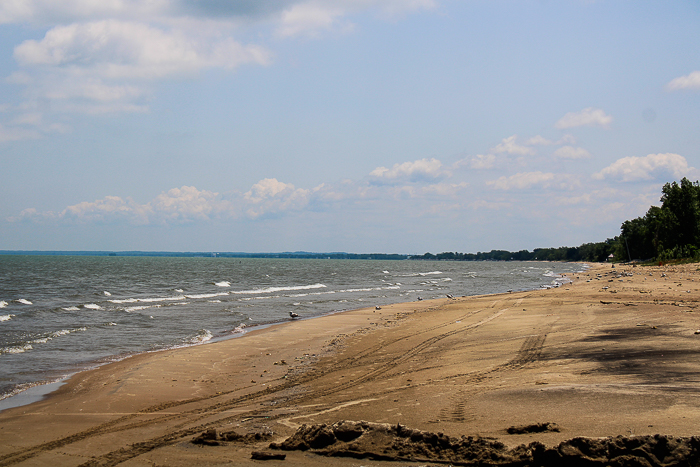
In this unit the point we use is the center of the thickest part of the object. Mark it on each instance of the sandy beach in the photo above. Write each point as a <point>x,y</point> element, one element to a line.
<point>612,354</point>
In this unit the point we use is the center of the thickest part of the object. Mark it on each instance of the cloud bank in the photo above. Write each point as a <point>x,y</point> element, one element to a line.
<point>107,57</point>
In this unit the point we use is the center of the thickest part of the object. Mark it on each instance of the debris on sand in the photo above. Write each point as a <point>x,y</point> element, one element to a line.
<point>366,440</point>
<point>267,456</point>
<point>534,428</point>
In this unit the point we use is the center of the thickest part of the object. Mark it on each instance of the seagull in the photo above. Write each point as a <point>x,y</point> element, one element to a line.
<point>449,296</point>
<point>420,298</point>
<point>293,315</point>
<point>377,307</point>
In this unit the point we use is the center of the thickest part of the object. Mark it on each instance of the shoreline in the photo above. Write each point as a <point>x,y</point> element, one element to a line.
<point>40,390</point>
<point>611,354</point>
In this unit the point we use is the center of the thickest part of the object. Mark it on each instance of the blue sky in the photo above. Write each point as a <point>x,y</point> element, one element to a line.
<point>399,126</point>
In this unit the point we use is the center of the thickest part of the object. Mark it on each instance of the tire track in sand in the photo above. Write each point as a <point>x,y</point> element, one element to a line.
<point>195,415</point>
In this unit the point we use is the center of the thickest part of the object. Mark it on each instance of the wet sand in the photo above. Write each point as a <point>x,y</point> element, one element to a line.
<point>614,353</point>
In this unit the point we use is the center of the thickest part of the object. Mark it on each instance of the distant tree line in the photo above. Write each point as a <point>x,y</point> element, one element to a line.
<point>671,231</point>
<point>593,252</point>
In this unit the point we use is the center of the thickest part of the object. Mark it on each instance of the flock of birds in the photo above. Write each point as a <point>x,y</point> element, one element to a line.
<point>296,315</point>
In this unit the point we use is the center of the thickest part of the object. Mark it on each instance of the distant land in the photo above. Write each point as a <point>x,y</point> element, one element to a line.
<point>586,252</point>
<point>294,254</point>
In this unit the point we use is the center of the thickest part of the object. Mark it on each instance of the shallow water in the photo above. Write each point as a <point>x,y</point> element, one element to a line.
<point>62,314</point>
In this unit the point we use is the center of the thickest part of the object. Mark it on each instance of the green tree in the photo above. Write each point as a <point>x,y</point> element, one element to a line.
<point>681,203</point>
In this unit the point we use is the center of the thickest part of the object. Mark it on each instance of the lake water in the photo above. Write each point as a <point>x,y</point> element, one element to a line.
<point>63,314</point>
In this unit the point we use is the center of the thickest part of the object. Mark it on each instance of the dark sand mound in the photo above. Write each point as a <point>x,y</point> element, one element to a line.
<point>213,438</point>
<point>396,442</point>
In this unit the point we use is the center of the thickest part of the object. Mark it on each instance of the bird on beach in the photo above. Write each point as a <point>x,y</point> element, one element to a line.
<point>377,307</point>
<point>293,315</point>
<point>449,296</point>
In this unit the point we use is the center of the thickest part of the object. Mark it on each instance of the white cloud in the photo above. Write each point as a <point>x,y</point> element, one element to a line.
<point>114,49</point>
<point>587,117</point>
<point>441,190</point>
<point>109,209</point>
<point>109,65</point>
<point>271,196</point>
<point>178,205</point>
<point>106,56</point>
<point>423,169</point>
<point>542,141</point>
<point>187,204</point>
<point>522,180</point>
<point>509,146</point>
<point>310,17</point>
<point>652,166</point>
<point>570,152</point>
<point>478,162</point>
<point>481,161</point>
<point>690,81</point>
<point>539,141</point>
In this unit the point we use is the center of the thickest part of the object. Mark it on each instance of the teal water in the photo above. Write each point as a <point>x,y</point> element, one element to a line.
<point>63,314</point>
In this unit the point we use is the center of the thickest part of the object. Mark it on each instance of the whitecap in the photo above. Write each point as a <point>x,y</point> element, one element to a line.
<point>92,306</point>
<point>107,293</point>
<point>148,300</point>
<point>223,284</point>
<point>203,335</point>
<point>414,274</point>
<point>3,303</point>
<point>24,301</point>
<point>17,349</point>
<point>71,308</point>
<point>206,295</point>
<point>385,272</point>
<point>179,290</point>
<point>214,301</point>
<point>6,317</point>
<point>129,309</point>
<point>280,289</point>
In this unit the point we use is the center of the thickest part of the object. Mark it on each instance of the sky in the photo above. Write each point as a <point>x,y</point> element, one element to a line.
<point>396,126</point>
